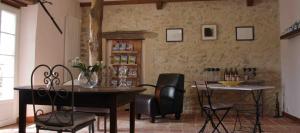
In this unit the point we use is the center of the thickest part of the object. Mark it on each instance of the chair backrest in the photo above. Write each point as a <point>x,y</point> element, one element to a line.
<point>51,91</point>
<point>169,80</point>
<point>203,90</point>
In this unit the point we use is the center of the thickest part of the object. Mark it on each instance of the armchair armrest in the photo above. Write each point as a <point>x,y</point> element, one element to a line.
<point>147,85</point>
<point>182,91</point>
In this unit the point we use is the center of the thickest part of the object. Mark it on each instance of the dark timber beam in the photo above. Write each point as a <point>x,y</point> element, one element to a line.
<point>13,3</point>
<point>123,2</point>
<point>159,4</point>
<point>250,2</point>
<point>128,2</point>
<point>19,3</point>
<point>27,2</point>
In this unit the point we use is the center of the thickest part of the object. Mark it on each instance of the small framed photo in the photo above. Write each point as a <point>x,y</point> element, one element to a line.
<point>244,33</point>
<point>209,32</point>
<point>174,34</point>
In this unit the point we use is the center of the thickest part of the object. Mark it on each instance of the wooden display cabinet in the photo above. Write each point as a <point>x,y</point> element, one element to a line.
<point>125,52</point>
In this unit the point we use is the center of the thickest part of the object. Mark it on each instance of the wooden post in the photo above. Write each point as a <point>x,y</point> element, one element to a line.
<point>95,43</point>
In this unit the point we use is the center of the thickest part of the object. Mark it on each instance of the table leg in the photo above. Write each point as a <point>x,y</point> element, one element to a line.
<point>262,104</point>
<point>202,98</point>
<point>113,116</point>
<point>256,97</point>
<point>22,113</point>
<point>132,116</point>
<point>59,108</point>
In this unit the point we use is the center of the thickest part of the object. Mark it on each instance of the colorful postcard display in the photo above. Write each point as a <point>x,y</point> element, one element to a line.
<point>132,72</point>
<point>122,46</point>
<point>131,59</point>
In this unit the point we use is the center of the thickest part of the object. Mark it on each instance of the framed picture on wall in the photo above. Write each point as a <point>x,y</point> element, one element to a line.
<point>209,32</point>
<point>174,34</point>
<point>244,33</point>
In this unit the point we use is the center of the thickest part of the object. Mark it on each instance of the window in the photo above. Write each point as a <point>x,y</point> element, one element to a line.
<point>8,26</point>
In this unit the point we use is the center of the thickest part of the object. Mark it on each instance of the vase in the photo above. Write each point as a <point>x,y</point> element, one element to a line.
<point>88,79</point>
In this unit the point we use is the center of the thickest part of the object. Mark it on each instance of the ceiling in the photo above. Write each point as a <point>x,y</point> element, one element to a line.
<point>82,1</point>
<point>159,3</point>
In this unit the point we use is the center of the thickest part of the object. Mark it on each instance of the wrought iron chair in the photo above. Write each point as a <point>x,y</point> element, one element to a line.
<point>210,109</point>
<point>56,118</point>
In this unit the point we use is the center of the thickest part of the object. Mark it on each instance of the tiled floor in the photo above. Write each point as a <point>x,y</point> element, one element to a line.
<point>189,123</point>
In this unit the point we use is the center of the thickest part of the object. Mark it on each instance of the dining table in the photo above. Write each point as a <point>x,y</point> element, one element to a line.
<point>256,92</point>
<point>102,97</point>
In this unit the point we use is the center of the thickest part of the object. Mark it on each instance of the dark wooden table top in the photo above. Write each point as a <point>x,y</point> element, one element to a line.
<point>79,89</point>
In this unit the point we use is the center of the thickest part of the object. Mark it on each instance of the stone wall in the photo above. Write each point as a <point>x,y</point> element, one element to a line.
<point>192,55</point>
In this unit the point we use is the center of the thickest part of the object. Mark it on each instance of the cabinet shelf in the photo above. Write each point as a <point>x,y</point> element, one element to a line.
<point>124,52</point>
<point>291,34</point>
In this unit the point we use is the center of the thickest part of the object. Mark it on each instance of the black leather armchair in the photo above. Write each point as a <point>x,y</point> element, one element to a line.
<point>168,97</point>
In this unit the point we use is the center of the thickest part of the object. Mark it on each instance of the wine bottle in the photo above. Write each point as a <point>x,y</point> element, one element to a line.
<point>226,74</point>
<point>246,75</point>
<point>236,75</point>
<point>208,74</point>
<point>217,74</point>
<point>231,75</point>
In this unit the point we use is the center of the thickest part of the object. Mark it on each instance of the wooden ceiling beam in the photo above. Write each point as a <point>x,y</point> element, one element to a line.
<point>30,2</point>
<point>19,3</point>
<point>128,2</point>
<point>187,0</point>
<point>85,4</point>
<point>12,3</point>
<point>250,2</point>
<point>159,4</point>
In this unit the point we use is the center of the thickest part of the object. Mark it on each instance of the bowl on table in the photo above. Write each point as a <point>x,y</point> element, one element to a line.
<point>230,83</point>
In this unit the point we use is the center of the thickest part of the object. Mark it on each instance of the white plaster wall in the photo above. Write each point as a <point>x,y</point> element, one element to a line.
<point>28,27</point>
<point>26,59</point>
<point>290,58</point>
<point>50,43</point>
<point>40,41</point>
